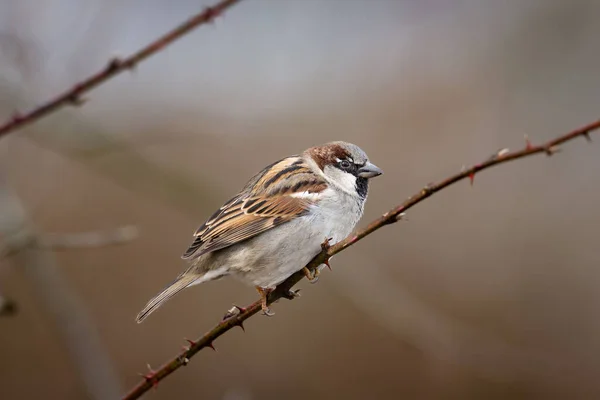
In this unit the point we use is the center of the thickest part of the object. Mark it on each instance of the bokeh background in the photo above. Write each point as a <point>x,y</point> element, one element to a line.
<point>489,292</point>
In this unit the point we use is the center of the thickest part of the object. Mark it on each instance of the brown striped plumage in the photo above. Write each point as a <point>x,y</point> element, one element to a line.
<point>264,203</point>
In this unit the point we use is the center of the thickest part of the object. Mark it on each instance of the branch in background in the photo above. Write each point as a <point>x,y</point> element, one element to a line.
<point>68,241</point>
<point>73,96</point>
<point>237,315</point>
<point>76,328</point>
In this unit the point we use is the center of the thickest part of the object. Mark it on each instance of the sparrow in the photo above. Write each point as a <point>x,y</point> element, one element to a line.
<point>278,222</point>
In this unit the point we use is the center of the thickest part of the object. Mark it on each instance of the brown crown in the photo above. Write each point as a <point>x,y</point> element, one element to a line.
<point>327,154</point>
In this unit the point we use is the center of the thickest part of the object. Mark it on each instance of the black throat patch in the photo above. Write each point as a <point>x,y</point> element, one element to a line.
<point>362,187</point>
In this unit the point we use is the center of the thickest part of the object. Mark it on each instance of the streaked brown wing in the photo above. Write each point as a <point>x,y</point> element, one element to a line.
<point>267,201</point>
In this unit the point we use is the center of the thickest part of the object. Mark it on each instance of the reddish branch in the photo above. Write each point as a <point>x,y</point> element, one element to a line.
<point>73,96</point>
<point>241,314</point>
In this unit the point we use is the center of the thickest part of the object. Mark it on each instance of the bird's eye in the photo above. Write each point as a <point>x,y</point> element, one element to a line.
<point>345,164</point>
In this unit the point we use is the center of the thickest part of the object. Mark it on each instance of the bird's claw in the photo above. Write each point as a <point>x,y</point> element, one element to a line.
<point>312,277</point>
<point>291,294</point>
<point>264,295</point>
<point>267,311</point>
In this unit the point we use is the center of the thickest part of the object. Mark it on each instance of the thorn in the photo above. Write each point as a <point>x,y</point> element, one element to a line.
<point>191,342</point>
<point>113,65</point>
<point>150,376</point>
<point>211,345</point>
<point>528,144</point>
<point>551,150</point>
<point>401,217</point>
<point>76,100</point>
<point>472,178</point>
<point>17,117</point>
<point>211,13</point>
<point>326,262</point>
<point>241,325</point>
<point>240,309</point>
<point>184,360</point>
<point>502,152</point>
<point>587,136</point>
<point>427,190</point>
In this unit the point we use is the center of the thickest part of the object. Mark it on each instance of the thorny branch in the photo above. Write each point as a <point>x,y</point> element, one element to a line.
<point>114,67</point>
<point>237,315</point>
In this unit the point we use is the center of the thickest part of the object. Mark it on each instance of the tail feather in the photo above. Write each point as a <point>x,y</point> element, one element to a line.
<point>181,283</point>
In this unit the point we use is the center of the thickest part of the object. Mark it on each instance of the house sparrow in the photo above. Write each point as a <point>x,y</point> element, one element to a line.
<point>279,220</point>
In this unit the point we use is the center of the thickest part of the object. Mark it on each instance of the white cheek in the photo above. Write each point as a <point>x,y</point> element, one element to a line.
<point>344,180</point>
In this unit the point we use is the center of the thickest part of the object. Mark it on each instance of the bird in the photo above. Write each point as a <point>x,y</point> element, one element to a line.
<point>278,222</point>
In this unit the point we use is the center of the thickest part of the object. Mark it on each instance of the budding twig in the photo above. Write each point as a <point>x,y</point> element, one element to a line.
<point>114,67</point>
<point>237,315</point>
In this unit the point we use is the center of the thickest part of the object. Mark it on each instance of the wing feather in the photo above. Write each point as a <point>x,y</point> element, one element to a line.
<point>265,202</point>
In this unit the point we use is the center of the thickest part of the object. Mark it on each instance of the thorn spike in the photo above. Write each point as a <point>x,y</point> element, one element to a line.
<point>587,136</point>
<point>401,217</point>
<point>240,309</point>
<point>76,100</point>
<point>212,346</point>
<point>114,64</point>
<point>528,144</point>
<point>191,342</point>
<point>211,14</point>
<point>551,150</point>
<point>472,178</point>
<point>241,325</point>
<point>150,376</point>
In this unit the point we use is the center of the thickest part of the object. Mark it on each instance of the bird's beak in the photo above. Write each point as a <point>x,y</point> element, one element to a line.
<point>369,171</point>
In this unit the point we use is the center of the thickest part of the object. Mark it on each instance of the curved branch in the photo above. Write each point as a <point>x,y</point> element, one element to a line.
<point>114,67</point>
<point>238,315</point>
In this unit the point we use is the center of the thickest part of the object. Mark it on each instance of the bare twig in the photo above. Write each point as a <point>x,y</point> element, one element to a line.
<point>238,315</point>
<point>65,241</point>
<point>114,67</point>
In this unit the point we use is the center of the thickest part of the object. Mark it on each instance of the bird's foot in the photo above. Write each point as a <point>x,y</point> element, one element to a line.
<point>264,294</point>
<point>312,277</point>
<point>291,294</point>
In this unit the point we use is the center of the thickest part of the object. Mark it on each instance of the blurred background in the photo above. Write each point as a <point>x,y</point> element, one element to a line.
<point>489,292</point>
